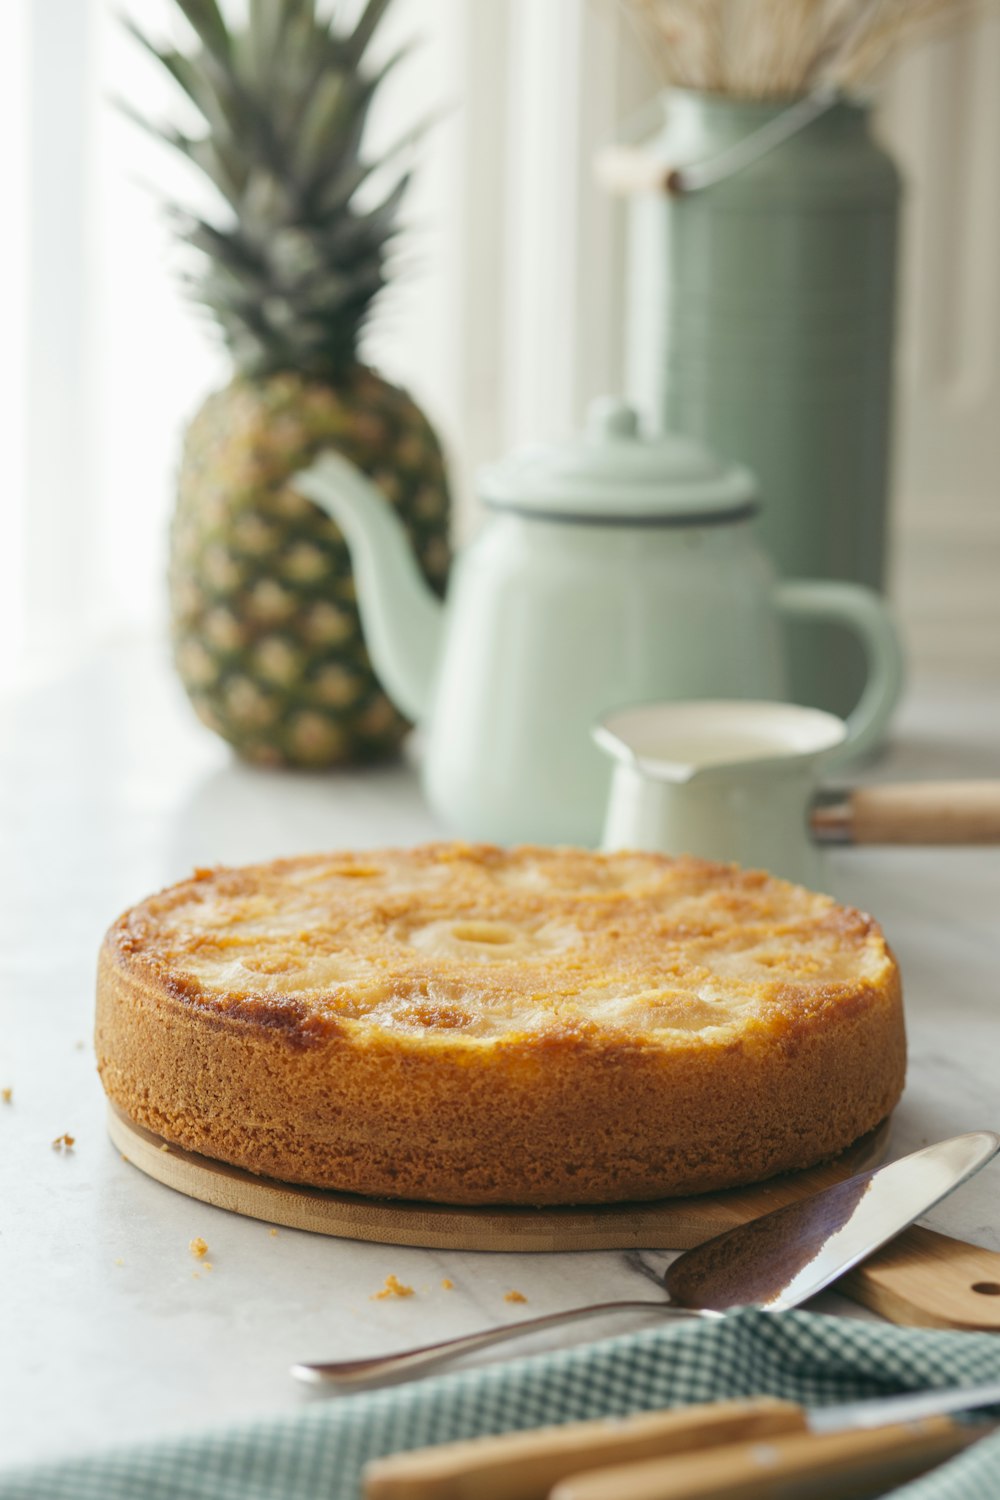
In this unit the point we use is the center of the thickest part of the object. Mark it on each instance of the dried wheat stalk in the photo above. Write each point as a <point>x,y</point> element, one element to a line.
<point>769,48</point>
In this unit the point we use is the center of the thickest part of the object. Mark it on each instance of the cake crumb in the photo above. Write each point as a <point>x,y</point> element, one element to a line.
<point>198,1248</point>
<point>119,1261</point>
<point>514,1297</point>
<point>393,1288</point>
<point>164,1147</point>
<point>6,1095</point>
<point>272,1231</point>
<point>447,1284</point>
<point>64,1142</point>
<point>123,1156</point>
<point>206,1265</point>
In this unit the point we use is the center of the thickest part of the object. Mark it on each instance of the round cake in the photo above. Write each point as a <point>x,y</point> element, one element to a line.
<point>466,1024</point>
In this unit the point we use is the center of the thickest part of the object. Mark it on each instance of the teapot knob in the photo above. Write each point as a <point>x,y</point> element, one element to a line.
<point>610,418</point>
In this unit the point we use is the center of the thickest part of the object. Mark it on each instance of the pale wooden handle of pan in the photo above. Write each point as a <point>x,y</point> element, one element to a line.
<point>927,1280</point>
<point>836,1465</point>
<point>629,169</point>
<point>930,812</point>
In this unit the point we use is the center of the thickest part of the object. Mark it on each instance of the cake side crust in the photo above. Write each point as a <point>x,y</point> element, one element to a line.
<point>578,1114</point>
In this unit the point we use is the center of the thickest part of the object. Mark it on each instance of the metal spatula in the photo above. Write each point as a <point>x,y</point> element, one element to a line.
<point>776,1262</point>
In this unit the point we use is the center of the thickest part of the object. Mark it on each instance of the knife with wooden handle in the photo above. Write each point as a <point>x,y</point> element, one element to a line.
<point>836,1466</point>
<point>773,1443</point>
<point>525,1465</point>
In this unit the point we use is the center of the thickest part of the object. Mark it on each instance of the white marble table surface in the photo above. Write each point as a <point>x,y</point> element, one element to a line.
<point>109,789</point>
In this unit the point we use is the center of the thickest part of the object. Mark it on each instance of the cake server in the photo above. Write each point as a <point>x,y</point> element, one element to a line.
<point>775,1262</point>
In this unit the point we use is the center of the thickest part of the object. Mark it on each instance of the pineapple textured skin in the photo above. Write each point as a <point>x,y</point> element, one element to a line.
<point>298,247</point>
<point>266,633</point>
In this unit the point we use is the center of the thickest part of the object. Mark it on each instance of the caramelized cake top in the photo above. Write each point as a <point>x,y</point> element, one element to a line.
<point>478,942</point>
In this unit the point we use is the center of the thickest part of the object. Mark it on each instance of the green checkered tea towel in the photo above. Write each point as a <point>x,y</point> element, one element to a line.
<point>317,1453</point>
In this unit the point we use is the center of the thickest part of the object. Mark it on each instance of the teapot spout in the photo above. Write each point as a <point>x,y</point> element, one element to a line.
<point>403,620</point>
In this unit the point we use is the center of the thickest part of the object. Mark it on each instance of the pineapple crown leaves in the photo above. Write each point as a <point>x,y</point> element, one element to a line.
<point>291,275</point>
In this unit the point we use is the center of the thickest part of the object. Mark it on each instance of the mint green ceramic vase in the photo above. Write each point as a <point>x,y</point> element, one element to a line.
<point>761,321</point>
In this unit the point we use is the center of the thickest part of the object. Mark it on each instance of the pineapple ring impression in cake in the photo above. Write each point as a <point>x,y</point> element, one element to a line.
<point>465,1024</point>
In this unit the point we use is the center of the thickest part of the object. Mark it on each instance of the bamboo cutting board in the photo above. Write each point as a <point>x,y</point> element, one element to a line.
<point>920,1278</point>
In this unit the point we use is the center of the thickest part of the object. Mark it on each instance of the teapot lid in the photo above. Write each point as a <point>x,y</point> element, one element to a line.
<point>612,474</point>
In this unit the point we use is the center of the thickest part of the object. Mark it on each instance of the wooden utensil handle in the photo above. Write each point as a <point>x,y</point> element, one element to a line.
<point>525,1465</point>
<point>929,1280</point>
<point>929,812</point>
<point>833,1465</point>
<point>628,169</point>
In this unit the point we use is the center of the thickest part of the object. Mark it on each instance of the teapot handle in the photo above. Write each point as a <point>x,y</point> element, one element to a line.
<point>864,612</point>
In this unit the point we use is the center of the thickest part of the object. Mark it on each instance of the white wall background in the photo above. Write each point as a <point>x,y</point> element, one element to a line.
<point>505,320</point>
<point>941,116</point>
<point>13,344</point>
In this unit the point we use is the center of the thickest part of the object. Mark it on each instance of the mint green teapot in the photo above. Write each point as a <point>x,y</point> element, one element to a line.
<point>612,569</point>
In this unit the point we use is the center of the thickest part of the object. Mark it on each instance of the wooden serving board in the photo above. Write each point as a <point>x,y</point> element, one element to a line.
<point>920,1278</point>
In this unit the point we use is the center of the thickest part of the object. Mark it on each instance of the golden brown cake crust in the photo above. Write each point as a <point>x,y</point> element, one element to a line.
<point>466,1024</point>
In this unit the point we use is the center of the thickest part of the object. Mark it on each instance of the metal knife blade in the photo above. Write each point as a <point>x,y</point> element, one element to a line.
<point>783,1258</point>
<point>879,1411</point>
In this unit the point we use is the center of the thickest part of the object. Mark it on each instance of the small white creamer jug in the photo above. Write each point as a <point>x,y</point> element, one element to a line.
<point>737,782</point>
<point>730,781</point>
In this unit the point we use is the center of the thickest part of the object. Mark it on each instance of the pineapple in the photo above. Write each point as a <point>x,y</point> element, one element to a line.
<point>266,632</point>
